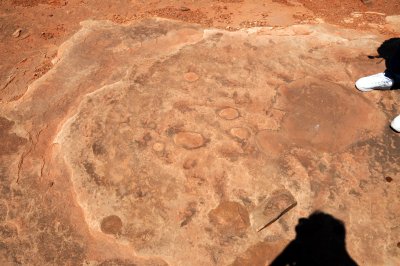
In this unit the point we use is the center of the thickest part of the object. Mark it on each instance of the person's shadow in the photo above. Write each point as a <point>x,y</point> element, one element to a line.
<point>320,241</point>
<point>389,51</point>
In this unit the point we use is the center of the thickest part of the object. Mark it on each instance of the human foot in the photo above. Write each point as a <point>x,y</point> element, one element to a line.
<point>395,125</point>
<point>374,82</point>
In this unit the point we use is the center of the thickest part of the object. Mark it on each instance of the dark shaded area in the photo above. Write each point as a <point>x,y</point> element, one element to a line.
<point>389,51</point>
<point>320,241</point>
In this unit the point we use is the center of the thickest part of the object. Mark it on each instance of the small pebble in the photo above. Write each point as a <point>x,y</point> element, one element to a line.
<point>388,179</point>
<point>367,1</point>
<point>184,8</point>
<point>17,33</point>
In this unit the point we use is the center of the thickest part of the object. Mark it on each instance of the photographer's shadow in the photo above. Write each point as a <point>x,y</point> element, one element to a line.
<point>320,241</point>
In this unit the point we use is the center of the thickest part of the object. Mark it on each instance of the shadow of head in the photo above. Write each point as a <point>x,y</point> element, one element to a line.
<point>389,51</point>
<point>320,241</point>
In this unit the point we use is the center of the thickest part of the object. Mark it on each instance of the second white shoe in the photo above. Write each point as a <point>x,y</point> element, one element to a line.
<point>374,82</point>
<point>396,124</point>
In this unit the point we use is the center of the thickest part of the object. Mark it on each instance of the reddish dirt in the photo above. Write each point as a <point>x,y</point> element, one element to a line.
<point>335,10</point>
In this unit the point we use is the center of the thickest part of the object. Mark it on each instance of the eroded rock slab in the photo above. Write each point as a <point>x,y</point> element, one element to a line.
<point>155,141</point>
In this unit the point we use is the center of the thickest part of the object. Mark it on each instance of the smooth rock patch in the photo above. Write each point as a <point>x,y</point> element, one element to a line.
<point>229,113</point>
<point>189,140</point>
<point>111,225</point>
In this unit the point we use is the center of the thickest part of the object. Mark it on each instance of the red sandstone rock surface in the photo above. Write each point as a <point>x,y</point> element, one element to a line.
<point>162,142</point>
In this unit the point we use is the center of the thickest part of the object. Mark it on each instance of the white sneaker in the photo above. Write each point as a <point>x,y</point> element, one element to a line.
<point>396,124</point>
<point>374,82</point>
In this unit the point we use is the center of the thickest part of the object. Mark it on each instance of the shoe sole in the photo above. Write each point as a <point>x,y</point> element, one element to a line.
<point>363,89</point>
<point>396,129</point>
